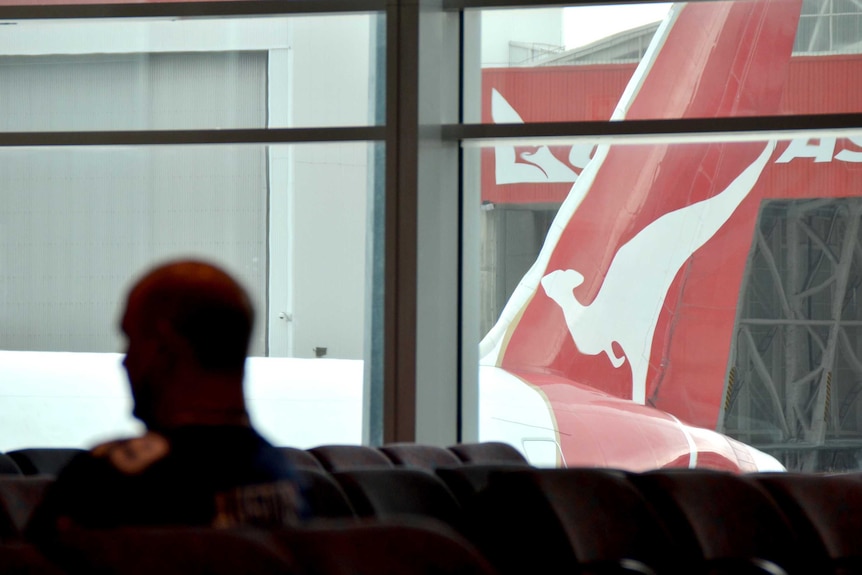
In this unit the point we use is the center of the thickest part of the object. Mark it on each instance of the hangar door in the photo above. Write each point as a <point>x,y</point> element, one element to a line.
<point>77,223</point>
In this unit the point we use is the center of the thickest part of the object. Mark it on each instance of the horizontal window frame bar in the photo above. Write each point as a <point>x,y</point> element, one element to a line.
<point>681,130</point>
<point>194,137</point>
<point>455,5</point>
<point>191,9</point>
<point>759,128</point>
<point>825,446</point>
<point>782,322</point>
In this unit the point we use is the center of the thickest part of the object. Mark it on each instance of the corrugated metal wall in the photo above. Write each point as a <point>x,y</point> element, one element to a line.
<point>76,224</point>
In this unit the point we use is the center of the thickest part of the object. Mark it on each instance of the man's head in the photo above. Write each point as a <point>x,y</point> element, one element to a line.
<point>188,325</point>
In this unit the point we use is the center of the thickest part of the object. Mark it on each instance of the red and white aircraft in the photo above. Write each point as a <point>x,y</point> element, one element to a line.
<point>622,327</point>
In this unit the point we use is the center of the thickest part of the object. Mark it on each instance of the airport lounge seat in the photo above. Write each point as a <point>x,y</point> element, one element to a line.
<point>323,494</point>
<point>419,455</point>
<point>43,460</point>
<point>826,512</point>
<point>403,546</point>
<point>22,558</point>
<point>19,496</point>
<point>344,457</point>
<point>733,522</point>
<point>300,458</point>
<point>384,493</point>
<point>465,481</point>
<point>171,551</point>
<point>396,546</point>
<point>8,466</point>
<point>487,452</point>
<point>573,520</point>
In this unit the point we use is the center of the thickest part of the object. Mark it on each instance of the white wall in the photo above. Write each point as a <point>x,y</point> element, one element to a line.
<point>503,26</point>
<point>320,192</point>
<point>81,399</point>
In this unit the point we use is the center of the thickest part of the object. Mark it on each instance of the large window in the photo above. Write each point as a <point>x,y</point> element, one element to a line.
<point>608,235</point>
<point>652,294</point>
<point>164,137</point>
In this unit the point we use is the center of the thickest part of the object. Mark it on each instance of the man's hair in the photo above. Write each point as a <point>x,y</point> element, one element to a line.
<point>205,306</point>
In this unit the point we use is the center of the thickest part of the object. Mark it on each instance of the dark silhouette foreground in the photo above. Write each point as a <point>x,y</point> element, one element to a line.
<point>188,325</point>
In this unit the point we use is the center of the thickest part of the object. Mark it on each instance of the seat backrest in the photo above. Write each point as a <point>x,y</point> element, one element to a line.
<point>323,495</point>
<point>419,455</point>
<point>171,551</point>
<point>300,458</point>
<point>396,491</point>
<point>727,516</point>
<point>21,557</point>
<point>402,546</point>
<point>564,520</point>
<point>487,452</point>
<point>343,457</point>
<point>8,466</point>
<point>43,460</point>
<point>826,512</point>
<point>466,480</point>
<point>19,496</point>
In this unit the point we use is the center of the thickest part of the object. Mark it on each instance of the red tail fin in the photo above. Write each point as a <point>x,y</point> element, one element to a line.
<point>637,214</point>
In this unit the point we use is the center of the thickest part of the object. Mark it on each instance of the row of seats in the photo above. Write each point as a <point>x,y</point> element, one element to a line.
<point>511,518</point>
<point>402,547</point>
<point>344,539</point>
<point>49,460</point>
<point>324,472</point>
<point>529,520</point>
<point>577,520</point>
<point>345,457</point>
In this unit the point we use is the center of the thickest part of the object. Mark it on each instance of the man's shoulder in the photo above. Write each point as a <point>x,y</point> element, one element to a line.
<point>100,487</point>
<point>134,455</point>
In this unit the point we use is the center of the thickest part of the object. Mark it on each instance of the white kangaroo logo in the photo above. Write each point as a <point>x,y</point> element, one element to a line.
<point>540,166</point>
<point>627,306</point>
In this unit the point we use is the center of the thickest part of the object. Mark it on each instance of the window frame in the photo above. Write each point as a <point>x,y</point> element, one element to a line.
<point>427,384</point>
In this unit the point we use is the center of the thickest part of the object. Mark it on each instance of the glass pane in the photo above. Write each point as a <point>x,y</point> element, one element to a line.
<point>78,224</point>
<point>662,60</point>
<point>669,296</point>
<point>191,73</point>
<point>85,2</point>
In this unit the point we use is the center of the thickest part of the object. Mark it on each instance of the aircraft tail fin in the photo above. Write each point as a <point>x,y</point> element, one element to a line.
<point>708,59</point>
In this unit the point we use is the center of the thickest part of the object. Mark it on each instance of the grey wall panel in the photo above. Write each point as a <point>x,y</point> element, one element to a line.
<point>329,255</point>
<point>133,91</point>
<point>218,90</point>
<point>72,93</point>
<point>77,224</point>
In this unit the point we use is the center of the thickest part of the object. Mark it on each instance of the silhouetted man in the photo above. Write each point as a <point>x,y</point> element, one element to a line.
<point>188,325</point>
